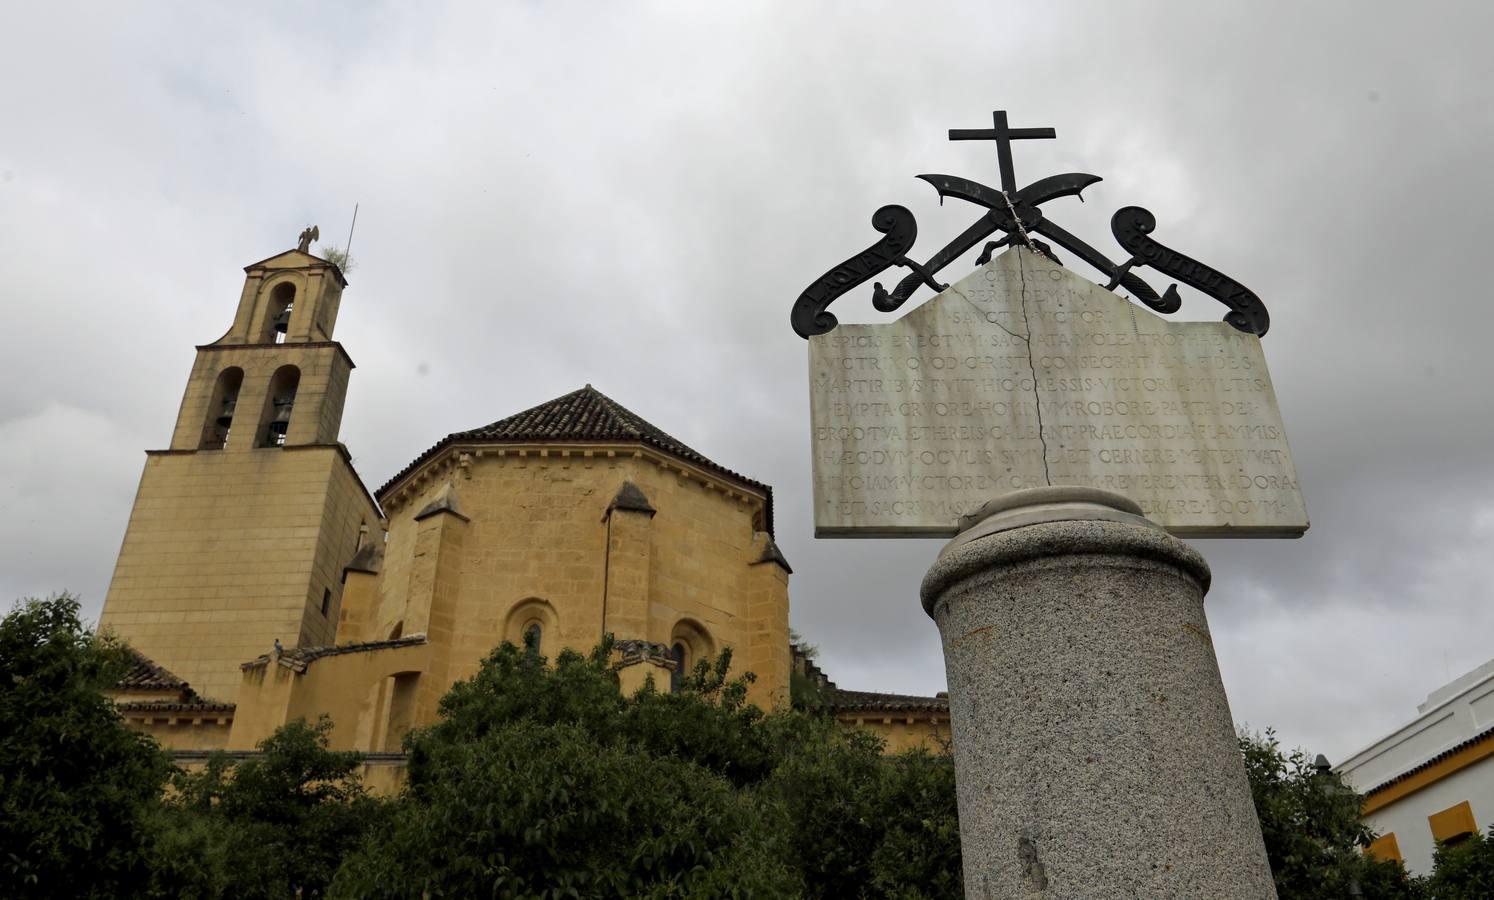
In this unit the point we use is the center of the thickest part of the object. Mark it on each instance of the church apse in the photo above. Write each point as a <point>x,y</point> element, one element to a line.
<point>610,530</point>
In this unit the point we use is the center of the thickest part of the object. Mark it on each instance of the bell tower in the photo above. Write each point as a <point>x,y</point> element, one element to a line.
<point>242,527</point>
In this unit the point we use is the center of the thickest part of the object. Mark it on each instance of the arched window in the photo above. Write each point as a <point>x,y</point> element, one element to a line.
<point>677,677</point>
<point>533,625</point>
<point>278,315</point>
<point>279,403</point>
<point>221,405</point>
<point>689,642</point>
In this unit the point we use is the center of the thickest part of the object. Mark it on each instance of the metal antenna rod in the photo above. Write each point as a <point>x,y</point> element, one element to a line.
<point>349,248</point>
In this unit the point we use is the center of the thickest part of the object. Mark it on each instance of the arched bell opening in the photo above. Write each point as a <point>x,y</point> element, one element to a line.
<point>220,410</point>
<point>280,402</point>
<point>278,315</point>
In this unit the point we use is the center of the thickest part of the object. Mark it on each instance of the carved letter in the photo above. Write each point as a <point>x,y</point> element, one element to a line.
<point>809,316</point>
<point>1132,224</point>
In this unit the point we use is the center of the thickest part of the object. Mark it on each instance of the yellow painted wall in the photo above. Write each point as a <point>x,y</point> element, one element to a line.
<point>535,547</point>
<point>903,731</point>
<point>359,691</point>
<point>225,552</point>
<point>183,731</point>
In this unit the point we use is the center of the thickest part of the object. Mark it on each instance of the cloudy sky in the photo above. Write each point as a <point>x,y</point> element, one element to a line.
<point>632,195</point>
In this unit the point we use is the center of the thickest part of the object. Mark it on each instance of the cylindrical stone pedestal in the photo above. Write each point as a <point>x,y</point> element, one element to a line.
<point>1095,756</point>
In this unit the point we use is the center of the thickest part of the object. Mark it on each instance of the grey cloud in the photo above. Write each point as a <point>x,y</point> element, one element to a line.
<point>633,197</point>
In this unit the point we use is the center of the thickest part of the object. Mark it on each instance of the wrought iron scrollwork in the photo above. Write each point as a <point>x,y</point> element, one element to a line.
<point>1131,226</point>
<point>810,315</point>
<point>1017,214</point>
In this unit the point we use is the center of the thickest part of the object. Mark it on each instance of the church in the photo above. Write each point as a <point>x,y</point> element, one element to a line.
<point>260,581</point>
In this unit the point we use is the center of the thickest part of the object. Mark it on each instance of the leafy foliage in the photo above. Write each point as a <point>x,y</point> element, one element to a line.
<point>75,785</point>
<point>1314,835</point>
<point>337,257</point>
<point>277,825</point>
<point>541,781</point>
<point>1464,871</point>
<point>532,810</point>
<point>546,781</point>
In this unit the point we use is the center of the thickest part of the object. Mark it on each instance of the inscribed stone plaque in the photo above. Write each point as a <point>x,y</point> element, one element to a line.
<point>1026,375</point>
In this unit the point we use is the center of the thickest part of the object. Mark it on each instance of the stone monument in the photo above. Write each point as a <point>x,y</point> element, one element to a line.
<point>1064,437</point>
<point>1026,375</point>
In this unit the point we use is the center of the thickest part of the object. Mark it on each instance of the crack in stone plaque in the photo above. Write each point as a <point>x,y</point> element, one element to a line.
<point>1037,395</point>
<point>918,421</point>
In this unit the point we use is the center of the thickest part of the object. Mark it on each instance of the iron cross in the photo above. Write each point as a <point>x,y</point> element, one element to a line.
<point>1003,136</point>
<point>1017,213</point>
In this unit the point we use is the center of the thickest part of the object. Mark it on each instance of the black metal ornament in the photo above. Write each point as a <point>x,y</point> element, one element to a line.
<point>1017,214</point>
<point>901,229</point>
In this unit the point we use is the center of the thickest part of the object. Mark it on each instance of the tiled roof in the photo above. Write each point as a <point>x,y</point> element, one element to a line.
<point>145,675</point>
<point>584,415</point>
<point>1427,764</point>
<point>839,700</point>
<point>843,701</point>
<point>298,658</point>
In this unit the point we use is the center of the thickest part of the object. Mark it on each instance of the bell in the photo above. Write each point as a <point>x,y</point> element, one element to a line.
<point>283,410</point>
<point>282,320</point>
<point>226,416</point>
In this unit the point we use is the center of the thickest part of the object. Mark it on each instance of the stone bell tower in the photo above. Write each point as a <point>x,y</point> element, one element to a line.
<point>242,527</point>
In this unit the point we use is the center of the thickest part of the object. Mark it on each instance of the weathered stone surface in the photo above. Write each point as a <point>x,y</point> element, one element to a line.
<point>1095,755</point>
<point>1025,375</point>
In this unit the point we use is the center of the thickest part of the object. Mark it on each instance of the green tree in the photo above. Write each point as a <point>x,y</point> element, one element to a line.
<point>541,781</point>
<point>1464,871</point>
<point>544,780</point>
<point>76,787</point>
<point>276,825</point>
<point>919,851</point>
<point>1314,836</point>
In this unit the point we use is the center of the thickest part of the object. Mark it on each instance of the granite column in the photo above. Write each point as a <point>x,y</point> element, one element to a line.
<point>1095,754</point>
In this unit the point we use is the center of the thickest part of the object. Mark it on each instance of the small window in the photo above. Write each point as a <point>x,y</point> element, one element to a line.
<point>326,601</point>
<point>533,634</point>
<point>677,677</point>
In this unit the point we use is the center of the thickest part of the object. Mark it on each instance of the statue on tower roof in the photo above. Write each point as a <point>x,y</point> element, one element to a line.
<point>307,236</point>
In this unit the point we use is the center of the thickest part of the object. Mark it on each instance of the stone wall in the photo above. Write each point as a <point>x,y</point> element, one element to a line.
<point>227,551</point>
<point>534,547</point>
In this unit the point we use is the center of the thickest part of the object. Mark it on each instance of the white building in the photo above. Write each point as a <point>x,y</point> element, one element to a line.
<point>1432,779</point>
